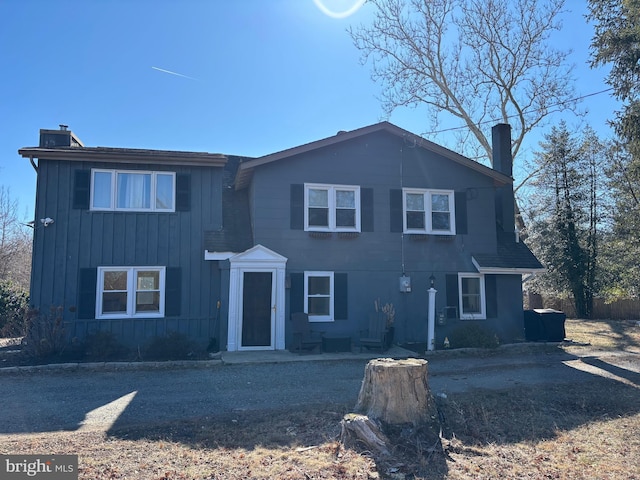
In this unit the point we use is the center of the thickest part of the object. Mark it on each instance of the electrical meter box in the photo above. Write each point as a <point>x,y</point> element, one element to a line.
<point>405,284</point>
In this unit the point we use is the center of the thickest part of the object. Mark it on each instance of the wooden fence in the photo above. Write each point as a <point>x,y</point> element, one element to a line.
<point>628,309</point>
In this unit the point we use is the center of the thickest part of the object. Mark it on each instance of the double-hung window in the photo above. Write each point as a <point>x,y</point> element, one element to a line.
<point>319,296</point>
<point>428,211</point>
<point>130,292</point>
<point>332,208</point>
<point>472,296</point>
<point>141,191</point>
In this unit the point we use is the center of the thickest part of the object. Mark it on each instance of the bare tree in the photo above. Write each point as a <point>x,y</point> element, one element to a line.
<point>481,61</point>
<point>15,242</point>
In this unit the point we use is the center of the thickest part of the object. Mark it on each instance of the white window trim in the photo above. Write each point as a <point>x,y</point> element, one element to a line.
<point>319,318</point>
<point>428,228</point>
<point>332,207</point>
<point>113,191</point>
<point>483,299</point>
<point>131,290</point>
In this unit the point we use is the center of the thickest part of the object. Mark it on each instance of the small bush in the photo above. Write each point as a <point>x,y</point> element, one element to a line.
<point>14,304</point>
<point>173,346</point>
<point>104,346</point>
<point>473,336</point>
<point>46,335</point>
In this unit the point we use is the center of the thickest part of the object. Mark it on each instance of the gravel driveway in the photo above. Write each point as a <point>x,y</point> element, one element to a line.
<point>58,399</point>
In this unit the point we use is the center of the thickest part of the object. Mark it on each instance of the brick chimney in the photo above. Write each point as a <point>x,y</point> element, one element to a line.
<point>59,138</point>
<point>503,162</point>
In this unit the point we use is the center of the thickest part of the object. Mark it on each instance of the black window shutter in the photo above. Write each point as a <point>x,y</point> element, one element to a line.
<point>395,210</point>
<point>461,213</point>
<point>491,296</point>
<point>81,189</point>
<point>87,284</point>
<point>296,293</point>
<point>183,192</point>
<point>297,206</point>
<point>366,209</point>
<point>341,305</point>
<point>173,292</point>
<point>451,282</point>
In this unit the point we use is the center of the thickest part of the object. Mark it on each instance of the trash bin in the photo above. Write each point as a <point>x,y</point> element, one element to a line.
<point>544,325</point>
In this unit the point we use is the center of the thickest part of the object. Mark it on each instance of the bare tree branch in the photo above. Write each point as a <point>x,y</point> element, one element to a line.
<point>15,242</point>
<point>472,59</point>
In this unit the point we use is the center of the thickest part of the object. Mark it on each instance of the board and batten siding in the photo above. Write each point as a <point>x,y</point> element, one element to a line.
<point>81,240</point>
<point>374,259</point>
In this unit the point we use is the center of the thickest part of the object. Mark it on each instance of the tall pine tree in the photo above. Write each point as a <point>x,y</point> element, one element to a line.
<point>563,215</point>
<point>616,42</point>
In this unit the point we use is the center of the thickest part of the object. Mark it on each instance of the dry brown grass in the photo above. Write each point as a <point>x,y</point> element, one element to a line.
<point>587,430</point>
<point>282,445</point>
<point>561,432</point>
<point>605,334</point>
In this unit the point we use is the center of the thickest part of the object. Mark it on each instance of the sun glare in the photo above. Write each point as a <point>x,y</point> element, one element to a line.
<point>339,8</point>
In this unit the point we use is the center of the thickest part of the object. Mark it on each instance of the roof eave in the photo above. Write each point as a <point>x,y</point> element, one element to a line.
<point>506,270</point>
<point>126,156</point>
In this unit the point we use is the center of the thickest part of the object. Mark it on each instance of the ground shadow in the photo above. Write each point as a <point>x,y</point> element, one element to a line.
<point>297,429</point>
<point>615,372</point>
<point>525,410</point>
<point>538,412</point>
<point>300,405</point>
<point>623,338</point>
<point>55,400</point>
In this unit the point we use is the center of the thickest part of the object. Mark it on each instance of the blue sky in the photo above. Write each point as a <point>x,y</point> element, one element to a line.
<point>259,76</point>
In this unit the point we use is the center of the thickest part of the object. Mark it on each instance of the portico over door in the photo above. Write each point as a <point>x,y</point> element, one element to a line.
<point>256,300</point>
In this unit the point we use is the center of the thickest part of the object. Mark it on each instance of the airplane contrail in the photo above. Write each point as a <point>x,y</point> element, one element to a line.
<point>173,73</point>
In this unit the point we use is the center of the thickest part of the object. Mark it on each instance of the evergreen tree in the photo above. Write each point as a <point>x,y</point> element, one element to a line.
<point>563,215</point>
<point>616,42</point>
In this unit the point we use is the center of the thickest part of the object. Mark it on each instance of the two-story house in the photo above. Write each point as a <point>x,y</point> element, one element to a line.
<point>220,247</point>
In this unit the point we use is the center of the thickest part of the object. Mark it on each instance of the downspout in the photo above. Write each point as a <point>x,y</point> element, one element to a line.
<point>33,164</point>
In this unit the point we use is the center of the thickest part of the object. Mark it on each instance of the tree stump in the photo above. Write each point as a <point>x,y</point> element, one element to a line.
<point>366,431</point>
<point>396,392</point>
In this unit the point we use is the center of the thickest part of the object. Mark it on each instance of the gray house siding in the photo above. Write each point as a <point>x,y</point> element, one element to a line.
<point>373,261</point>
<point>215,221</point>
<point>80,240</point>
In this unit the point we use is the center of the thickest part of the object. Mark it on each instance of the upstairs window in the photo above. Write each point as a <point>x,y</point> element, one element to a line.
<point>428,211</point>
<point>130,292</point>
<point>332,208</point>
<point>127,190</point>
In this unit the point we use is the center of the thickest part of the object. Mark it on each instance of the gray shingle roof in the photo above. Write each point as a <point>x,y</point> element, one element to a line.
<point>235,234</point>
<point>510,255</point>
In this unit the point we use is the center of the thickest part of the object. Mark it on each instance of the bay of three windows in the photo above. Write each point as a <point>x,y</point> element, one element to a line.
<point>132,190</point>
<point>336,208</point>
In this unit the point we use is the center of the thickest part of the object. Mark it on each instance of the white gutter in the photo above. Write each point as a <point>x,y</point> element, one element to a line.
<point>506,270</point>
<point>218,255</point>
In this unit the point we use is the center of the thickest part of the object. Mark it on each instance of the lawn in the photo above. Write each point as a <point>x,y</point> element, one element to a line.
<point>535,433</point>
